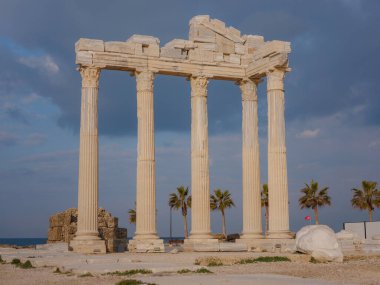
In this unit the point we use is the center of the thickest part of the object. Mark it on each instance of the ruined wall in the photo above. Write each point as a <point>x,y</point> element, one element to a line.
<point>63,225</point>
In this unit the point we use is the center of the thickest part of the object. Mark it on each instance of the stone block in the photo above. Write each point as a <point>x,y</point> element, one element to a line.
<point>112,222</point>
<point>146,245</point>
<point>234,31</point>
<point>246,59</point>
<point>218,23</point>
<point>218,56</point>
<point>207,46</point>
<point>253,40</point>
<point>201,55</point>
<point>83,57</point>
<point>240,49</point>
<point>88,246</point>
<point>89,44</point>
<point>151,50</point>
<point>232,247</point>
<point>116,245</point>
<point>225,45</point>
<point>121,233</point>
<point>57,220</point>
<point>234,58</point>
<point>143,39</point>
<point>119,47</point>
<point>173,53</point>
<point>55,234</point>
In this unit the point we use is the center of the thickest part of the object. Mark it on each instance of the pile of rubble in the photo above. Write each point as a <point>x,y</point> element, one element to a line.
<point>63,226</point>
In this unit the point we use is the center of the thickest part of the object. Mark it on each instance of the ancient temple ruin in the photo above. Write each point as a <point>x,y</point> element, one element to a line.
<point>213,51</point>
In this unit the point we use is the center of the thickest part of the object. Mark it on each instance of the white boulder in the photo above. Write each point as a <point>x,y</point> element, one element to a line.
<point>319,241</point>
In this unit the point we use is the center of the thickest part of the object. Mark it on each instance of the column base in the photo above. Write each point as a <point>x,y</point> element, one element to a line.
<point>201,244</point>
<point>251,236</point>
<point>280,235</point>
<point>269,245</point>
<point>88,246</point>
<point>146,245</point>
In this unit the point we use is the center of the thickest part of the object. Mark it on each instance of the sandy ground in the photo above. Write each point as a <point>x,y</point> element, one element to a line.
<point>354,270</point>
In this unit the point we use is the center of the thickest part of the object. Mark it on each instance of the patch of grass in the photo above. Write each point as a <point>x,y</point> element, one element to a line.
<point>2,260</point>
<point>26,265</point>
<point>15,261</point>
<point>183,271</point>
<point>215,263</point>
<point>129,282</point>
<point>132,282</point>
<point>88,274</point>
<point>313,260</point>
<point>264,259</point>
<point>130,272</point>
<point>203,270</point>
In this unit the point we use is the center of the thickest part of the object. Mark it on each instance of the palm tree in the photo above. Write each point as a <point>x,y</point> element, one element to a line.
<point>220,201</point>
<point>132,216</point>
<point>181,200</point>
<point>366,199</point>
<point>265,203</point>
<point>314,198</point>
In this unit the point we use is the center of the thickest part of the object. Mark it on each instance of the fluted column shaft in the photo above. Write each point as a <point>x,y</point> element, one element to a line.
<point>251,162</point>
<point>88,156</point>
<point>146,177</point>
<point>277,169</point>
<point>200,177</point>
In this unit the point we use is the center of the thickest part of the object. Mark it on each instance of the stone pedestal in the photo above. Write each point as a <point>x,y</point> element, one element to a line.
<point>269,245</point>
<point>87,237</point>
<point>201,244</point>
<point>251,163</point>
<point>146,245</point>
<point>277,169</point>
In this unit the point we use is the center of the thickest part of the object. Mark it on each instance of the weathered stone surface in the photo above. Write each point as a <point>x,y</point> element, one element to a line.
<point>320,242</point>
<point>89,44</point>
<point>63,227</point>
<point>120,47</point>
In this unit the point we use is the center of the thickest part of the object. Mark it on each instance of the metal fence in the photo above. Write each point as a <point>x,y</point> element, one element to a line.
<point>365,230</point>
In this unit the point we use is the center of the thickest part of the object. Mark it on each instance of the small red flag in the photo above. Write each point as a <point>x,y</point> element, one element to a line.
<point>307,218</point>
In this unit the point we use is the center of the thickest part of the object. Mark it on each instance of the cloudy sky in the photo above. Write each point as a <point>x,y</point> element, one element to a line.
<point>332,106</point>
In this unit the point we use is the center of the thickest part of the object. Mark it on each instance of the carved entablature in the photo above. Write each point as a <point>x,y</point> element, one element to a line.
<point>212,48</point>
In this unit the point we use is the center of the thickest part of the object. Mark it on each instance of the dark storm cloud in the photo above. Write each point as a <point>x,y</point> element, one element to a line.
<point>334,57</point>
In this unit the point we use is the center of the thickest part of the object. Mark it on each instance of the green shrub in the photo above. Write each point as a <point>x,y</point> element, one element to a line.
<point>313,260</point>
<point>183,271</point>
<point>215,263</point>
<point>132,282</point>
<point>130,272</point>
<point>26,265</point>
<point>129,282</point>
<point>264,259</point>
<point>15,261</point>
<point>88,274</point>
<point>202,270</point>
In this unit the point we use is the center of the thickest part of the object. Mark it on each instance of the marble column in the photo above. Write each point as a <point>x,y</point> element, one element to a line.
<point>146,176</point>
<point>87,237</point>
<point>277,170</point>
<point>252,228</point>
<point>200,177</point>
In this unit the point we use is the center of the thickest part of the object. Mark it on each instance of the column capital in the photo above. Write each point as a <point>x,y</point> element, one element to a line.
<point>199,86</point>
<point>248,90</point>
<point>144,80</point>
<point>275,79</point>
<point>90,76</point>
